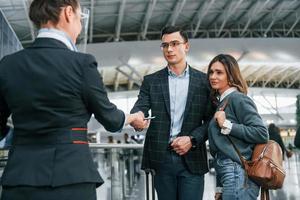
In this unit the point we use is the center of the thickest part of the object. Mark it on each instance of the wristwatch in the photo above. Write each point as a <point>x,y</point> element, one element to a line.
<point>227,124</point>
<point>194,142</point>
<point>226,127</point>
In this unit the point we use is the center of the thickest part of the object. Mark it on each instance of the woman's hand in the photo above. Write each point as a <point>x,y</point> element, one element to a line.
<point>220,118</point>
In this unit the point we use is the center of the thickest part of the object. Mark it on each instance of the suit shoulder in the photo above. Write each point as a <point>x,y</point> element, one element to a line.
<point>156,74</point>
<point>83,56</point>
<point>198,72</point>
<point>86,60</point>
<point>12,57</point>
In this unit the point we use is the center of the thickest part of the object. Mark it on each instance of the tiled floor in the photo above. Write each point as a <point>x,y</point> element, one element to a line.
<point>290,190</point>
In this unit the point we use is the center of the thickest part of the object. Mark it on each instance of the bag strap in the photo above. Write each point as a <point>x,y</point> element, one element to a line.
<point>243,160</point>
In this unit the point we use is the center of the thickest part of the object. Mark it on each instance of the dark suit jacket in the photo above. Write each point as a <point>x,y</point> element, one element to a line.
<point>51,93</point>
<point>154,95</point>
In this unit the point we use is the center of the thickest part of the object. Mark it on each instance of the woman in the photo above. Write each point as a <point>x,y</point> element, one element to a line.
<point>51,91</point>
<point>236,117</point>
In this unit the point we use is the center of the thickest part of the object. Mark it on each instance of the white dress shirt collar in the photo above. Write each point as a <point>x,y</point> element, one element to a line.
<point>227,92</point>
<point>58,35</point>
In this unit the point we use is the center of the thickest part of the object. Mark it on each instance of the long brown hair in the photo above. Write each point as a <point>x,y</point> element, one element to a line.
<point>232,69</point>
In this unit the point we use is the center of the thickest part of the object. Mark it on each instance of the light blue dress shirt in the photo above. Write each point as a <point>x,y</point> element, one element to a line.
<point>178,90</point>
<point>58,35</point>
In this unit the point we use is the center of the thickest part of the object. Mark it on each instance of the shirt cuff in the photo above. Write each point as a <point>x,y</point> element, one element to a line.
<point>219,189</point>
<point>226,127</point>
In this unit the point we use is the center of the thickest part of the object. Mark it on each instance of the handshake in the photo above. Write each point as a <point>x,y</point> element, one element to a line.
<point>138,121</point>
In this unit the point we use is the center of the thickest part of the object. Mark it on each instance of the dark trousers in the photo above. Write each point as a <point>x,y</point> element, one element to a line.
<point>173,181</point>
<point>82,191</point>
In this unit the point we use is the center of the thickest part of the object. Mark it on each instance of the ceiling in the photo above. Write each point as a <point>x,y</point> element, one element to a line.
<point>131,20</point>
<point>115,26</point>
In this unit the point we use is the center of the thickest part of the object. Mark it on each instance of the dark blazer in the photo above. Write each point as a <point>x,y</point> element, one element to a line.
<point>154,95</point>
<point>51,93</point>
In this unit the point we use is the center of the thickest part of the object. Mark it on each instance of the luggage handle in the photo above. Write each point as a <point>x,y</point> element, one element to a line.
<point>147,172</point>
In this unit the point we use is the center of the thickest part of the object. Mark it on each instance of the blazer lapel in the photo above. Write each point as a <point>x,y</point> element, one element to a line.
<point>192,86</point>
<point>164,80</point>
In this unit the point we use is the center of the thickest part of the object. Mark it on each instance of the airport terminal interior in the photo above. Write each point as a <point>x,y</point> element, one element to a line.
<point>124,37</point>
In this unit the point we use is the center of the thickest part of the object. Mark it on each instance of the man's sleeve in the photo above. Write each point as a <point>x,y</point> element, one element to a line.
<point>96,100</point>
<point>143,102</point>
<point>201,132</point>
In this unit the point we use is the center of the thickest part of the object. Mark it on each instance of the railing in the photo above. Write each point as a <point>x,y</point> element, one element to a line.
<point>119,165</point>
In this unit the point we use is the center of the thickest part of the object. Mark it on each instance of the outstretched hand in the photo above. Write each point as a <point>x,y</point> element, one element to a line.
<point>138,121</point>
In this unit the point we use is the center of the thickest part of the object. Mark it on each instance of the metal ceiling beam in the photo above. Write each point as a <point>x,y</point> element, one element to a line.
<point>117,81</point>
<point>227,4</point>
<point>177,10</point>
<point>12,8</point>
<point>277,15</point>
<point>273,75</point>
<point>130,82</point>
<point>26,6</point>
<point>246,76</point>
<point>210,33</point>
<point>257,8</point>
<point>91,21</point>
<point>294,24</point>
<point>296,79</point>
<point>244,12</point>
<point>120,20</point>
<point>296,10</point>
<point>146,21</point>
<point>268,70</point>
<point>287,74</point>
<point>134,71</point>
<point>259,20</point>
<point>138,82</point>
<point>269,27</point>
<point>202,11</point>
<point>232,8</point>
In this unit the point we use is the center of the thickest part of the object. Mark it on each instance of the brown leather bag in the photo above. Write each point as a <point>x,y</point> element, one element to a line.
<point>265,167</point>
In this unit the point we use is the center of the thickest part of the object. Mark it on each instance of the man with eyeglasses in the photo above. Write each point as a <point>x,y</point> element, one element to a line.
<point>178,97</point>
<point>52,90</point>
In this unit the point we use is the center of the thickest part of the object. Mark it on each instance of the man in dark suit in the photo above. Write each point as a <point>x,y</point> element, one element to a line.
<point>51,91</point>
<point>178,97</point>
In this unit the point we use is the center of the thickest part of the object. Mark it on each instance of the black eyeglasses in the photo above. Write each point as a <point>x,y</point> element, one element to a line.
<point>173,44</point>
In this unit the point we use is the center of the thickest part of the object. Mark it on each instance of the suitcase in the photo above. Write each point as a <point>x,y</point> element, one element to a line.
<point>149,172</point>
